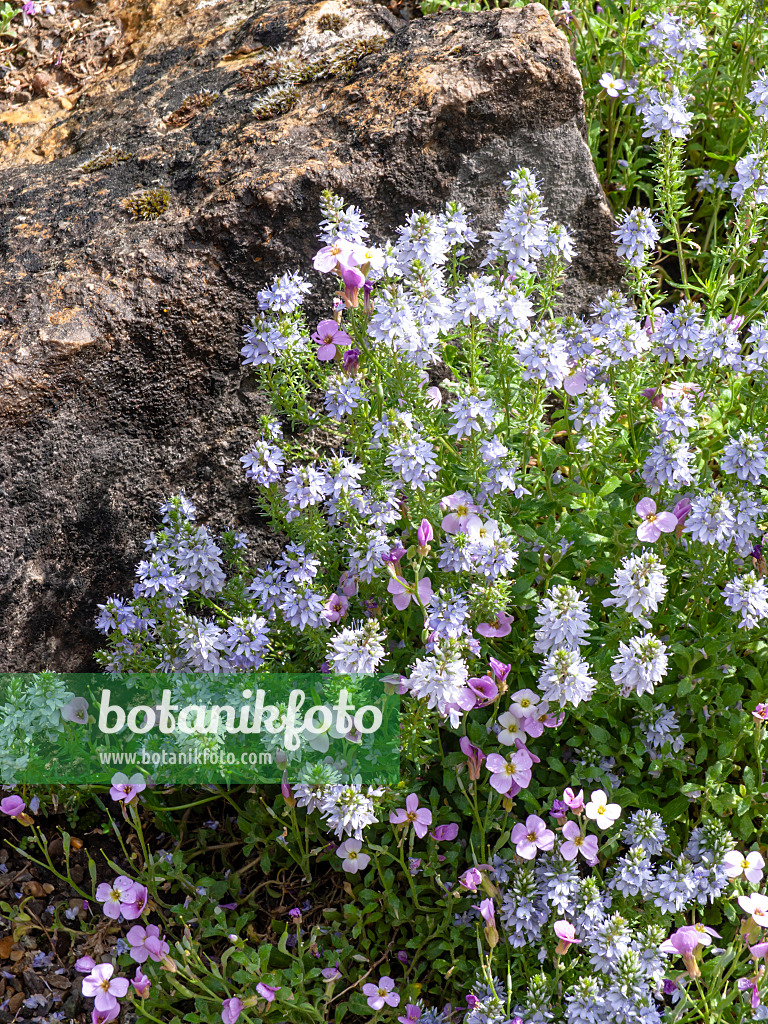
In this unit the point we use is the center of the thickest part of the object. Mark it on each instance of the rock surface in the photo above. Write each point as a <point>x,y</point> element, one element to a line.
<point>120,380</point>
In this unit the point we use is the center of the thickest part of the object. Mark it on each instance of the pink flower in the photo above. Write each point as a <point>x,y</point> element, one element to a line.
<point>329,336</point>
<point>420,817</point>
<point>682,510</point>
<point>231,1010</point>
<point>487,911</point>
<point>462,507</point>
<point>135,908</point>
<point>286,791</point>
<point>13,806</point>
<point>348,584</point>
<point>599,810</point>
<point>445,833</point>
<point>565,932</point>
<point>475,757</point>
<point>85,964</point>
<point>760,714</point>
<point>532,837</point>
<point>500,626</point>
<point>141,984</point>
<point>757,905</point>
<point>412,1014</point>
<point>103,988</point>
<point>267,992</point>
<point>335,608</point>
<point>76,711</point>
<point>381,994</point>
<point>574,801</point>
<point>146,942</point>
<point>126,789</point>
<point>499,669</point>
<point>353,281</point>
<point>744,984</point>
<point>332,256</point>
<point>105,1016</point>
<point>484,688</point>
<point>653,524</point>
<point>509,777</point>
<point>117,896</point>
<point>471,879</point>
<point>425,533</point>
<point>402,592</point>
<point>488,914</point>
<point>751,866</point>
<point>577,844</point>
<point>576,383</point>
<point>685,942</point>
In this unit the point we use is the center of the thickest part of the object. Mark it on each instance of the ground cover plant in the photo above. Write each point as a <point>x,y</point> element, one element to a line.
<point>546,532</point>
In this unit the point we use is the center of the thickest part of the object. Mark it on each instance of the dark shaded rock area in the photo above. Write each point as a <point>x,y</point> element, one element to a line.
<point>120,380</point>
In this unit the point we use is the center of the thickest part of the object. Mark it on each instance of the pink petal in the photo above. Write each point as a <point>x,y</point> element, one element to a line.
<point>645,507</point>
<point>546,839</point>
<point>649,532</point>
<point>666,522</point>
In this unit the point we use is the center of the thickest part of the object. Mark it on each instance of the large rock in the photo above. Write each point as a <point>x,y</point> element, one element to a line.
<point>120,380</point>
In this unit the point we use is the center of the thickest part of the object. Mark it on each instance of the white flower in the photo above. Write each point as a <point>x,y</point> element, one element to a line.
<point>562,620</point>
<point>748,595</point>
<point>639,585</point>
<point>348,810</point>
<point>757,905</point>
<point>357,650</point>
<point>641,664</point>
<point>352,859</point>
<point>613,86</point>
<point>735,864</point>
<point>525,703</point>
<point>510,729</point>
<point>441,682</point>
<point>600,811</point>
<point>565,678</point>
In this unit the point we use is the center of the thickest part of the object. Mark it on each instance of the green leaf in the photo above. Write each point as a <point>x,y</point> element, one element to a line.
<point>675,809</point>
<point>609,486</point>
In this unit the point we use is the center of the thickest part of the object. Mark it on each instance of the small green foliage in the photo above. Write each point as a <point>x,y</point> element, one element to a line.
<point>340,60</point>
<point>331,23</point>
<point>7,14</point>
<point>148,205</point>
<point>191,107</point>
<point>278,100</point>
<point>106,158</point>
<point>273,67</point>
<point>281,73</point>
